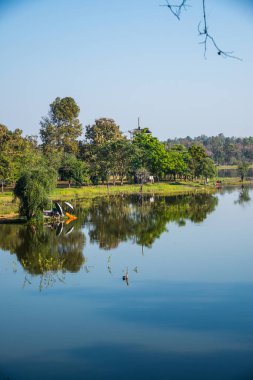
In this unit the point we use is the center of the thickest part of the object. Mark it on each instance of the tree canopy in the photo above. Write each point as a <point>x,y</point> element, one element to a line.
<point>32,190</point>
<point>17,154</point>
<point>61,128</point>
<point>103,130</point>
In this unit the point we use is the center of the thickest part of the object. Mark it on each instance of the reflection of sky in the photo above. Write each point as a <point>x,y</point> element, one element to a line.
<point>172,329</point>
<point>186,314</point>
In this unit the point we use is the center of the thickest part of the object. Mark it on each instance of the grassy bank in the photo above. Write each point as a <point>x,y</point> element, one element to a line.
<point>9,208</point>
<point>156,188</point>
<point>235,181</point>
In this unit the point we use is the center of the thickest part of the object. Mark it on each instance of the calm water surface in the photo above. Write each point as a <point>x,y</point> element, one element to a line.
<point>185,310</point>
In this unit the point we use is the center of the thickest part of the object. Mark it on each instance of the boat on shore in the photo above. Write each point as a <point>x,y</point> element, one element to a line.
<point>58,212</point>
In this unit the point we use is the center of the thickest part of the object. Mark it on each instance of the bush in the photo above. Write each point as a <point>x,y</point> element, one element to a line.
<point>33,189</point>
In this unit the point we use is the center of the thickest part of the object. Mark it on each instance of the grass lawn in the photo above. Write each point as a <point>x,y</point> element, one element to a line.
<point>9,209</point>
<point>94,191</point>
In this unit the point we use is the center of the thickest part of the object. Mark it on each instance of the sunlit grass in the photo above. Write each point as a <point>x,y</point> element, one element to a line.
<point>230,167</point>
<point>93,191</point>
<point>9,209</point>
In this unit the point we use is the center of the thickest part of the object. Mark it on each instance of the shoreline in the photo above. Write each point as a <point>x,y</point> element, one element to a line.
<point>9,210</point>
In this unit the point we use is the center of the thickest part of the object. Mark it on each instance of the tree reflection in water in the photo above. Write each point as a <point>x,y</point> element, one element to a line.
<point>50,251</point>
<point>143,219</point>
<point>244,196</point>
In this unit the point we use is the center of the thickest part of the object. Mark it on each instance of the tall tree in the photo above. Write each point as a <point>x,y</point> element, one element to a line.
<point>115,159</point>
<point>207,168</point>
<point>61,128</point>
<point>94,149</point>
<point>243,169</point>
<point>197,154</point>
<point>102,131</point>
<point>151,155</point>
<point>177,162</point>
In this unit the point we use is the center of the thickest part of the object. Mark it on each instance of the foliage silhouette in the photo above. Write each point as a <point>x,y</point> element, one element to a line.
<point>40,250</point>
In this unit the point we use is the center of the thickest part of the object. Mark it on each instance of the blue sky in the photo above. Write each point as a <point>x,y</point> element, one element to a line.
<point>124,59</point>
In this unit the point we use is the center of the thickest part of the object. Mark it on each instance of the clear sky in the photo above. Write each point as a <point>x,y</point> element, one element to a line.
<point>124,59</point>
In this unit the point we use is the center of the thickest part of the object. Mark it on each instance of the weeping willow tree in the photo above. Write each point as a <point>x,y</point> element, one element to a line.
<point>32,189</point>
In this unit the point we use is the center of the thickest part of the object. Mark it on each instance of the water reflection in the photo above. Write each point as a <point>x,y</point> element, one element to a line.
<point>143,219</point>
<point>187,314</point>
<point>44,248</point>
<point>244,196</point>
<point>110,221</point>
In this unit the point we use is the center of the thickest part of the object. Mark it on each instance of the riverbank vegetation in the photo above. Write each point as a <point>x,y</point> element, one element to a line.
<point>223,150</point>
<point>100,161</point>
<point>9,208</point>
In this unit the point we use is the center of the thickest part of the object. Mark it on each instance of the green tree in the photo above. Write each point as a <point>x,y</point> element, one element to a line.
<point>177,162</point>
<point>151,154</point>
<point>95,150</point>
<point>17,154</point>
<point>142,175</point>
<point>243,169</point>
<point>32,190</point>
<point>115,159</point>
<point>73,169</point>
<point>223,150</point>
<point>232,154</point>
<point>197,154</point>
<point>5,171</point>
<point>104,130</point>
<point>61,128</point>
<point>207,168</point>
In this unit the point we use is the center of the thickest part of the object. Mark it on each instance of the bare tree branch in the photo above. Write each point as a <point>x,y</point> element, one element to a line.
<point>205,33</point>
<point>202,27</point>
<point>176,8</point>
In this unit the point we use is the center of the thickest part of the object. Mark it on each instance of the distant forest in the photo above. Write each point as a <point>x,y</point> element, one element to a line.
<point>223,150</point>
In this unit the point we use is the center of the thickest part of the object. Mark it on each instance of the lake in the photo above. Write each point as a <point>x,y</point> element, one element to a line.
<point>138,287</point>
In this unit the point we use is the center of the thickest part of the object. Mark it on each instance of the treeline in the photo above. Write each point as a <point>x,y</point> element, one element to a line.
<point>94,154</point>
<point>223,150</point>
